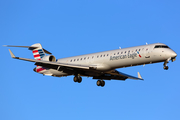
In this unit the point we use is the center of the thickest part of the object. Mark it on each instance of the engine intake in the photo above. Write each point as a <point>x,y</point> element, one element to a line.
<point>50,58</point>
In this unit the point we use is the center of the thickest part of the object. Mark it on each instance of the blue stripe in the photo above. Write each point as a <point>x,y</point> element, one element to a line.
<point>42,56</point>
<point>41,53</point>
<point>40,50</point>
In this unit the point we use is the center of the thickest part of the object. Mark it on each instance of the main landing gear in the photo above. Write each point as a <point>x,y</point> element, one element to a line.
<point>77,79</point>
<point>100,83</point>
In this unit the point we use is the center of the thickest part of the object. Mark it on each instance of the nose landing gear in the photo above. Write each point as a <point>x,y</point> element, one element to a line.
<point>100,83</point>
<point>166,67</point>
<point>165,64</point>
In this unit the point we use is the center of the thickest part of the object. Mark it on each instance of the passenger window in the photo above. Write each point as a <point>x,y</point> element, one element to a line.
<point>118,53</point>
<point>139,49</point>
<point>88,58</point>
<point>77,59</point>
<point>98,56</point>
<point>92,57</point>
<point>84,58</point>
<point>114,53</point>
<point>71,61</point>
<point>104,55</point>
<point>107,54</point>
<point>121,52</point>
<point>81,58</point>
<point>74,59</point>
<point>101,55</point>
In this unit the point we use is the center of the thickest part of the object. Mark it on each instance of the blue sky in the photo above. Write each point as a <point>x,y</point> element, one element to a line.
<point>69,28</point>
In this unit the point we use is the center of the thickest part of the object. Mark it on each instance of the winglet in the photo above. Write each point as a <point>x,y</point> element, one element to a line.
<point>12,55</point>
<point>139,76</point>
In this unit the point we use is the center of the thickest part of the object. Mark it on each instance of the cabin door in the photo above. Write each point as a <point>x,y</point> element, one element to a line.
<point>147,52</point>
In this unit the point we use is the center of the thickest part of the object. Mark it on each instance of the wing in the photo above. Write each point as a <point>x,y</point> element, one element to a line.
<point>52,65</point>
<point>84,70</point>
<point>117,73</point>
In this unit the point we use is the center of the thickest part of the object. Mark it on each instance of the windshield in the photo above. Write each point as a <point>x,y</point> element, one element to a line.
<point>161,46</point>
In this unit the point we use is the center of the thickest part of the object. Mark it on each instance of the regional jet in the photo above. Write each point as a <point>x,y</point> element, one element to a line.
<point>101,65</point>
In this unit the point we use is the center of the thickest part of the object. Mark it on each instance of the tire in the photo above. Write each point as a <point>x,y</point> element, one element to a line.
<point>75,79</point>
<point>102,83</point>
<point>79,79</point>
<point>98,83</point>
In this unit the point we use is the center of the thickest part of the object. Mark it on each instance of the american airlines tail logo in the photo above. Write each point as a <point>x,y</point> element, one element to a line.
<point>38,54</point>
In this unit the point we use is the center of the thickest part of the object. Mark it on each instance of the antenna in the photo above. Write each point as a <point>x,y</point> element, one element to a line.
<point>146,43</point>
<point>119,47</point>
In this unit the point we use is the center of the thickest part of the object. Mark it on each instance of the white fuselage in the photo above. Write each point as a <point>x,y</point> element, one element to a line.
<point>108,60</point>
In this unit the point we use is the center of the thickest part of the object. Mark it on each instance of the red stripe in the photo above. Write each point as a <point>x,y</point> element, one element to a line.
<point>35,51</point>
<point>40,69</point>
<point>139,55</point>
<point>38,59</point>
<point>37,55</point>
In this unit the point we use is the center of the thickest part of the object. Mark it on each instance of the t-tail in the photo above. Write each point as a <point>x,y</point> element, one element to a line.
<point>38,53</point>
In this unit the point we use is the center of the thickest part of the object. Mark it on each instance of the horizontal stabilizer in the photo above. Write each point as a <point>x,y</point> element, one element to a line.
<point>29,47</point>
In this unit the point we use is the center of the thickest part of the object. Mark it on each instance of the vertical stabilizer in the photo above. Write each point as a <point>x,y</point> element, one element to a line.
<point>38,52</point>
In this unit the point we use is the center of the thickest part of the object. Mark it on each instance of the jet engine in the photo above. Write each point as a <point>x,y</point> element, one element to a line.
<point>50,58</point>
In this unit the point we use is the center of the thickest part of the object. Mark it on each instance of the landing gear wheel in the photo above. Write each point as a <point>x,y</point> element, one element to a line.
<point>100,83</point>
<point>166,67</point>
<point>77,79</point>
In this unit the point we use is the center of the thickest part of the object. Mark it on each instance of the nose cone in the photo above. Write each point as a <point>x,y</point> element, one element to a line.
<point>170,53</point>
<point>173,54</point>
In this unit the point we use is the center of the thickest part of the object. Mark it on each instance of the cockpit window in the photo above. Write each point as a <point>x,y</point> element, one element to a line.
<point>161,46</point>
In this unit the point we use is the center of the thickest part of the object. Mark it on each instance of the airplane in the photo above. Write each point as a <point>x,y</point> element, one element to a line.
<point>101,65</point>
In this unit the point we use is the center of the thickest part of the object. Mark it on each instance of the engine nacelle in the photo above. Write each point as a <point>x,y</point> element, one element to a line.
<point>50,58</point>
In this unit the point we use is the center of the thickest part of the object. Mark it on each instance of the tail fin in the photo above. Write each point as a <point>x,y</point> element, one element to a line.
<point>38,52</point>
